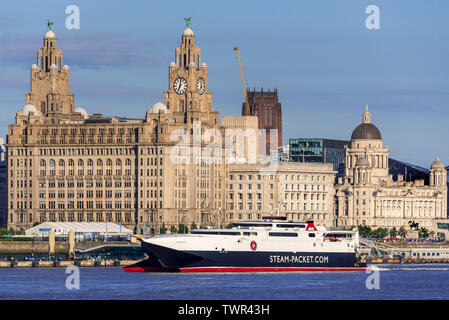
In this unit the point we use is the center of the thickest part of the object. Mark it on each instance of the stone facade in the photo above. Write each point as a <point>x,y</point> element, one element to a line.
<point>3,185</point>
<point>305,191</point>
<point>368,195</point>
<point>66,165</point>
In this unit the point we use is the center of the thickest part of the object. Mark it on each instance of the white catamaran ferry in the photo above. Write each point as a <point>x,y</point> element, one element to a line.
<point>272,244</point>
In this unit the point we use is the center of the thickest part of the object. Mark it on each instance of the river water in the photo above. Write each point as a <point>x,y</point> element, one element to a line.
<point>389,282</point>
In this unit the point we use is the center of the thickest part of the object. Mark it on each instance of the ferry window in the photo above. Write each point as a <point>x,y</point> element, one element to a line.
<point>291,225</point>
<point>282,234</point>
<point>247,225</point>
<point>312,235</point>
<point>338,235</point>
<point>250,233</point>
<point>228,233</point>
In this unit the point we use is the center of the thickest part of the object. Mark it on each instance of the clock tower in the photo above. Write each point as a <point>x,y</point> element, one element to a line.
<point>187,92</point>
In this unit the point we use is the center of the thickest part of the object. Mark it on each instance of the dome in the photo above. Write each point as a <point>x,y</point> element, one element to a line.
<point>366,130</point>
<point>437,163</point>
<point>188,32</point>
<point>172,64</point>
<point>158,107</point>
<point>83,112</point>
<point>204,65</point>
<point>362,162</point>
<point>30,108</point>
<point>34,66</point>
<point>53,66</point>
<point>50,34</point>
<point>66,67</point>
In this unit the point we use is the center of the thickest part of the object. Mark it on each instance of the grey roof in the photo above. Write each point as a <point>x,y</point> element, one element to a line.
<point>62,227</point>
<point>366,131</point>
<point>437,163</point>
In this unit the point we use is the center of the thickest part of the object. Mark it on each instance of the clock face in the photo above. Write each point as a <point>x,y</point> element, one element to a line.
<point>200,85</point>
<point>180,85</point>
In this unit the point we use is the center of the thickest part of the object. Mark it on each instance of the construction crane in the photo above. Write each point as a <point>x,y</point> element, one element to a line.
<point>242,76</point>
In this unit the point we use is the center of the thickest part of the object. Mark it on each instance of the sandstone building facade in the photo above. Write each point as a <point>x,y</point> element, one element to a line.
<point>178,166</point>
<point>301,191</point>
<point>368,195</point>
<point>66,165</point>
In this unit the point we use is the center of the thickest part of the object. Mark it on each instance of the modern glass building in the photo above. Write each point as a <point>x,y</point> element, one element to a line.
<point>318,150</point>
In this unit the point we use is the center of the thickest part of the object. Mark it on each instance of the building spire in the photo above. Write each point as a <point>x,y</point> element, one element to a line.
<point>366,115</point>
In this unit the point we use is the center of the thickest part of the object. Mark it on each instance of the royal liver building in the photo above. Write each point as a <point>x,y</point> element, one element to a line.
<point>368,195</point>
<point>66,165</point>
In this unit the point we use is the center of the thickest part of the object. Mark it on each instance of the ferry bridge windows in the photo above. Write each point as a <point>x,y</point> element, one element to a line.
<point>291,225</point>
<point>282,234</point>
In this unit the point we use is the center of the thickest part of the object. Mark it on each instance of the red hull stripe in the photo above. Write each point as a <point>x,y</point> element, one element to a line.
<point>266,269</point>
<point>149,269</point>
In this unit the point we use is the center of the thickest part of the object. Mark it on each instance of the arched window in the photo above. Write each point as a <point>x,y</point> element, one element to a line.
<point>128,162</point>
<point>61,163</point>
<point>118,162</point>
<point>52,163</point>
<point>99,163</point>
<point>80,163</point>
<point>90,163</point>
<point>43,163</point>
<point>109,162</point>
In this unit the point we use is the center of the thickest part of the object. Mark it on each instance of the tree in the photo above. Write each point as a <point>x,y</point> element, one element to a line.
<point>423,233</point>
<point>183,229</point>
<point>364,231</point>
<point>393,232</point>
<point>229,226</point>
<point>380,232</point>
<point>402,232</point>
<point>173,229</point>
<point>163,229</point>
<point>193,226</point>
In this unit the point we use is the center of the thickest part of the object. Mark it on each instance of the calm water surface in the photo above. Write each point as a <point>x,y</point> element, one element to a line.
<point>396,282</point>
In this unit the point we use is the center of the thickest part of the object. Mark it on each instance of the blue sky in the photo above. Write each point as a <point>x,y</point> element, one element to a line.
<point>325,63</point>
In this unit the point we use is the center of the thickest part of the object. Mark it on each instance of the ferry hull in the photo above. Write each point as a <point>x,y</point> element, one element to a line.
<point>250,261</point>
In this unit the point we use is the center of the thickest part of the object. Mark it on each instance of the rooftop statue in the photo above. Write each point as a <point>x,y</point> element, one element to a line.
<point>188,21</point>
<point>50,24</point>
